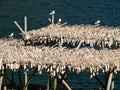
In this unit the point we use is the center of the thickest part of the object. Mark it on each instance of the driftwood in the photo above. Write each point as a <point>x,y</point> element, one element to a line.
<point>57,60</point>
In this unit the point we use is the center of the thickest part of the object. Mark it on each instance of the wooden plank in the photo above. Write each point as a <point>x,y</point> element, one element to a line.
<point>19,27</point>
<point>63,81</point>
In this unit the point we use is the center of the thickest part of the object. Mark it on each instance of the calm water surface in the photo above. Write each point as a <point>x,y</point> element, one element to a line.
<point>71,11</point>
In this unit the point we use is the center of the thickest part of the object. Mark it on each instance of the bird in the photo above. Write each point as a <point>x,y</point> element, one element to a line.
<point>97,22</point>
<point>52,13</point>
<point>11,35</point>
<point>59,20</point>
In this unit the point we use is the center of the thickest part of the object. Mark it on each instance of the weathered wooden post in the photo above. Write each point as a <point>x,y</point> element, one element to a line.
<point>49,81</point>
<point>26,80</point>
<point>12,77</point>
<point>24,32</point>
<point>25,24</point>
<point>112,87</point>
<point>5,87</point>
<point>19,76</point>
<point>55,83</point>
<point>53,16</point>
<point>1,79</point>
<point>102,44</point>
<point>109,81</point>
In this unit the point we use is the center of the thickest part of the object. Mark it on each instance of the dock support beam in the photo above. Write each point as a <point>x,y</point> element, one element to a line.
<point>5,87</point>
<point>63,81</point>
<point>25,85</point>
<point>55,83</point>
<point>53,16</point>
<point>110,83</point>
<point>25,24</point>
<point>20,79</point>
<point>27,81</point>
<point>101,83</point>
<point>49,82</point>
<point>19,27</point>
<point>1,80</point>
<point>112,87</point>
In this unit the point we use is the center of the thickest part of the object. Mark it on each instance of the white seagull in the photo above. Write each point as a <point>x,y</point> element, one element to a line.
<point>98,22</point>
<point>59,20</point>
<point>11,35</point>
<point>52,13</point>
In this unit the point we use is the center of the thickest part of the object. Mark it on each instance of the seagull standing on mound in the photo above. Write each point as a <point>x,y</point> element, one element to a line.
<point>52,13</point>
<point>98,22</point>
<point>59,20</point>
<point>11,35</point>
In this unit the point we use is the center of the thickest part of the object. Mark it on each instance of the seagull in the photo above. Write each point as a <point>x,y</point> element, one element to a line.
<point>52,13</point>
<point>98,22</point>
<point>11,35</point>
<point>59,20</point>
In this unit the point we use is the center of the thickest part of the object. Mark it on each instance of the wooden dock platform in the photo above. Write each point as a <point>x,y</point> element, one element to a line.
<point>14,52</point>
<point>44,50</point>
<point>58,60</point>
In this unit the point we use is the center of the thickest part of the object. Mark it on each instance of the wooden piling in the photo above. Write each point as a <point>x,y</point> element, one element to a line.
<point>25,85</point>
<point>5,86</point>
<point>102,44</point>
<point>55,83</point>
<point>112,87</point>
<point>1,80</point>
<point>25,24</point>
<point>13,78</point>
<point>49,82</point>
<point>109,81</point>
<point>53,16</point>
<point>20,79</point>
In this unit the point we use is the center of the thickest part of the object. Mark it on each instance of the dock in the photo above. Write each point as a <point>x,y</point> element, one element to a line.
<point>46,49</point>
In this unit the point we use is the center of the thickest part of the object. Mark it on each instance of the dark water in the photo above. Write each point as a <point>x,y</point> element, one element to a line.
<point>71,11</point>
